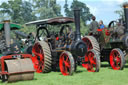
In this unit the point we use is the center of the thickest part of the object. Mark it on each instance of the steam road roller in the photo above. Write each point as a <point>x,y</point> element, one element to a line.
<point>14,65</point>
<point>57,46</point>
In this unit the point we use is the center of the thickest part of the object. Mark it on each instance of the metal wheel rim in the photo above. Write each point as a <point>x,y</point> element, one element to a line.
<point>88,43</point>
<point>115,60</point>
<point>38,58</point>
<point>90,62</point>
<point>65,64</point>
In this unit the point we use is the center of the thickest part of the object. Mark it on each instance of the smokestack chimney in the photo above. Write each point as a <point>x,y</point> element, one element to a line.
<point>7,32</point>
<point>77,24</point>
<point>126,15</point>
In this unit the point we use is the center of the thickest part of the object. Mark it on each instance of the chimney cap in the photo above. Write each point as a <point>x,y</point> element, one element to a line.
<point>125,5</point>
<point>6,21</point>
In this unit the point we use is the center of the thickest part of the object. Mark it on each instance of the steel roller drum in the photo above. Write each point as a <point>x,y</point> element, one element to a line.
<point>20,69</point>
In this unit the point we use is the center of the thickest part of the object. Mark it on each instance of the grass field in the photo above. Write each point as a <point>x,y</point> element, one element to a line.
<point>106,76</point>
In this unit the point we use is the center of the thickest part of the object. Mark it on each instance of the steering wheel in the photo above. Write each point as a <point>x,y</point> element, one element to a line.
<point>112,25</point>
<point>65,30</point>
<point>42,32</point>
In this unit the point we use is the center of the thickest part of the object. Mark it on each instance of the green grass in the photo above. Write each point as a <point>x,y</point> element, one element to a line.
<point>106,76</point>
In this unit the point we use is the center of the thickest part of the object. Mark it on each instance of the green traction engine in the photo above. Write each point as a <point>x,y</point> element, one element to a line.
<point>14,64</point>
<point>111,43</point>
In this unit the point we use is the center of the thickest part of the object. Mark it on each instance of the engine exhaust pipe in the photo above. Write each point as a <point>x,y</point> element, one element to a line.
<point>126,15</point>
<point>77,24</point>
<point>7,32</point>
<point>23,35</point>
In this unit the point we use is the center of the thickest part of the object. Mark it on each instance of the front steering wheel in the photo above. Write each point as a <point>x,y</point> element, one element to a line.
<point>42,32</point>
<point>65,30</point>
<point>112,25</point>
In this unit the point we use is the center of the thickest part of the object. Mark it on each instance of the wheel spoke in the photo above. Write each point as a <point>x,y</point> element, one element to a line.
<point>117,65</point>
<point>66,70</point>
<point>92,68</point>
<point>86,59</point>
<point>118,60</point>
<point>35,53</point>
<point>92,61</point>
<point>67,59</point>
<point>113,64</point>
<point>39,68</point>
<point>67,64</point>
<point>62,57</point>
<point>85,65</point>
<point>89,68</point>
<point>91,58</point>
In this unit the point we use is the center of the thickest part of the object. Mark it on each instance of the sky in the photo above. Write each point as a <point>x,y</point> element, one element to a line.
<point>102,9</point>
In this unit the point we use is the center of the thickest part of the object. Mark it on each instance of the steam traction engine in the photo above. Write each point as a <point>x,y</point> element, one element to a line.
<point>112,42</point>
<point>61,49</point>
<point>14,65</point>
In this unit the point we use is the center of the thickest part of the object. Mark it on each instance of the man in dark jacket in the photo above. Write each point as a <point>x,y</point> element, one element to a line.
<point>94,25</point>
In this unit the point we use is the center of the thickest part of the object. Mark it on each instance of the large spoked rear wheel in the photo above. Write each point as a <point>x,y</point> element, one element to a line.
<point>92,61</point>
<point>42,57</point>
<point>117,59</point>
<point>91,43</point>
<point>66,63</point>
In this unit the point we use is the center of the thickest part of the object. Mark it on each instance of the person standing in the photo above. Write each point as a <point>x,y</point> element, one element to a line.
<point>94,25</point>
<point>101,24</point>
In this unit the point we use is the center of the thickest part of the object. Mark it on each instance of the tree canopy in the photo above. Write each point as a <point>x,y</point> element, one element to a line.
<point>120,12</point>
<point>46,9</point>
<point>22,11</point>
<point>19,11</point>
<point>85,12</point>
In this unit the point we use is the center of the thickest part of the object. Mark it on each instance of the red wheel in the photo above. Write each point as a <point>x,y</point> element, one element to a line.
<point>66,63</point>
<point>88,43</point>
<point>38,59</point>
<point>92,61</point>
<point>42,57</point>
<point>91,43</point>
<point>117,59</point>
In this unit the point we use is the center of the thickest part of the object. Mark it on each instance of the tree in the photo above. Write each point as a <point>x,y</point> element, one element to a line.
<point>67,11</point>
<point>4,12</point>
<point>15,7</point>
<point>19,11</point>
<point>85,13</point>
<point>26,12</point>
<point>46,9</point>
<point>120,12</point>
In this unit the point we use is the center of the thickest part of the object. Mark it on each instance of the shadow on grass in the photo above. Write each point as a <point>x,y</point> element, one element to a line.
<point>109,66</point>
<point>126,66</point>
<point>79,71</point>
<point>6,82</point>
<point>105,65</point>
<point>76,72</point>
